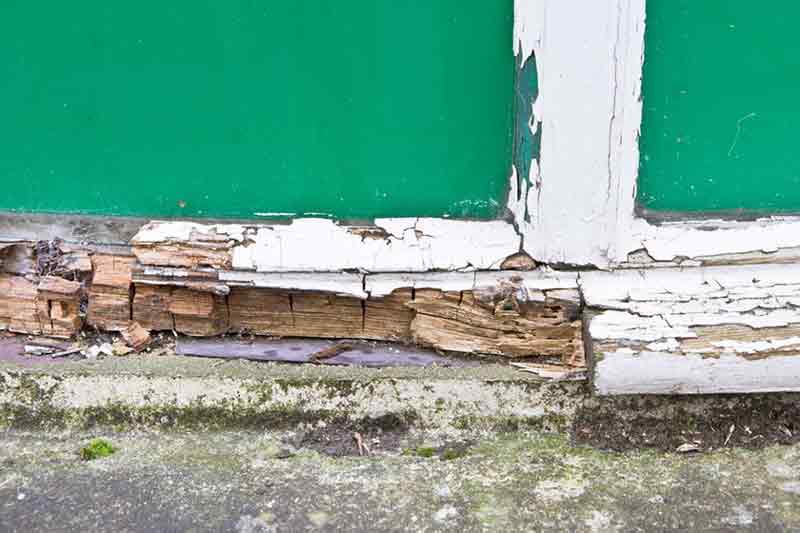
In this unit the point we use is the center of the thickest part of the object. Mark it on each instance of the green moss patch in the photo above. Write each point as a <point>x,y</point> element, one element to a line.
<point>97,449</point>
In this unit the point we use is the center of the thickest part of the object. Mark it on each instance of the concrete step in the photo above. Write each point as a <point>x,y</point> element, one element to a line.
<point>189,392</point>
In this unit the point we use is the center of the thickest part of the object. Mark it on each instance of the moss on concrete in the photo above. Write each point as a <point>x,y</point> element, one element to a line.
<point>97,449</point>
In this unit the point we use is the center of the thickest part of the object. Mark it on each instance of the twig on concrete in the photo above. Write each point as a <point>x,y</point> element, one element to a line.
<point>363,449</point>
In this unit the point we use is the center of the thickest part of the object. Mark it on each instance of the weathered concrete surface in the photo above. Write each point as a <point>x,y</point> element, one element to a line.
<point>138,392</point>
<point>188,392</point>
<point>246,482</point>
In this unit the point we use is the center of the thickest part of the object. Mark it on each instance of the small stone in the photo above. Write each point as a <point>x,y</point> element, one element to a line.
<point>319,518</point>
<point>92,352</point>
<point>688,448</point>
<point>443,491</point>
<point>445,513</point>
<point>792,487</point>
<point>107,349</point>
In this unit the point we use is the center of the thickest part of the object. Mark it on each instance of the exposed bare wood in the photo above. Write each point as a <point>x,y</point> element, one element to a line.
<point>17,259</point>
<point>110,292</point>
<point>194,313</point>
<point>58,304</point>
<point>389,317</point>
<point>18,305</point>
<point>199,314</point>
<point>497,322</point>
<point>151,307</point>
<point>187,245</point>
<point>136,336</point>
<point>297,314</point>
<point>519,261</point>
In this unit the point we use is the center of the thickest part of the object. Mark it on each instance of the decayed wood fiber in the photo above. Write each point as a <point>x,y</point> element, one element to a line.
<point>489,322</point>
<point>493,321</point>
<point>35,295</point>
<point>110,293</point>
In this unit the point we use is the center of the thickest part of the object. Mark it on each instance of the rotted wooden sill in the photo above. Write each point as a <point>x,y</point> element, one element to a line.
<point>700,330</point>
<point>55,289</point>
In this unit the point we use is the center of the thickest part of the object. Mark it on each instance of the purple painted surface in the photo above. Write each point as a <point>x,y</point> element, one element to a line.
<point>363,353</point>
<point>12,350</point>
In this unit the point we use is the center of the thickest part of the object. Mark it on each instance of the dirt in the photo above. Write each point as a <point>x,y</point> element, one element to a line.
<point>337,438</point>
<point>754,423</point>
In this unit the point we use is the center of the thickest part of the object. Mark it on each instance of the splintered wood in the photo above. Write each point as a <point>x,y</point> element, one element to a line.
<point>506,320</point>
<point>185,282</point>
<point>702,331</point>
<point>110,293</point>
<point>187,245</point>
<point>49,307</point>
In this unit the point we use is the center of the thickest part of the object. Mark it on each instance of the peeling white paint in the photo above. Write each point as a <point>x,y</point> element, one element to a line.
<point>759,346</point>
<point>322,245</point>
<point>584,63</point>
<point>540,280</point>
<point>627,372</point>
<point>160,232</point>
<point>699,330</point>
<point>697,241</point>
<point>341,283</point>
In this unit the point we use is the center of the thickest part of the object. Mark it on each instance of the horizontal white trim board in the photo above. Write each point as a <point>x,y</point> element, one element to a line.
<point>628,372</point>
<point>322,245</point>
<point>694,331</point>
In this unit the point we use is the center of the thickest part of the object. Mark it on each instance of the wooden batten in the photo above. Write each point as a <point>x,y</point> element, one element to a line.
<point>695,331</point>
<point>110,293</point>
<point>507,320</point>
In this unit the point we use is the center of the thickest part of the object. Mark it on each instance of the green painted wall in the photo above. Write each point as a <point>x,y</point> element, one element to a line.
<point>231,108</point>
<point>721,106</point>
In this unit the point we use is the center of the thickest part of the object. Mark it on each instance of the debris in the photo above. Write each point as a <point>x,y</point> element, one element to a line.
<point>136,336</point>
<point>363,449</point>
<point>48,343</point>
<point>31,349</point>
<point>48,254</point>
<point>553,372</point>
<point>106,349</point>
<point>730,433</point>
<point>121,349</point>
<point>93,352</point>
<point>64,353</point>
<point>688,448</point>
<point>519,261</point>
<point>330,352</point>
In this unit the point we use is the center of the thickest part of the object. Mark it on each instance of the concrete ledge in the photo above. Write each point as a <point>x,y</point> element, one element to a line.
<point>186,392</point>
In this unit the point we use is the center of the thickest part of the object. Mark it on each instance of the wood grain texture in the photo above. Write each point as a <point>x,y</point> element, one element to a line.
<point>110,292</point>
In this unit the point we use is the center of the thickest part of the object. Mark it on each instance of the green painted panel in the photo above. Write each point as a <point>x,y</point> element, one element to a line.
<point>721,106</point>
<point>238,107</point>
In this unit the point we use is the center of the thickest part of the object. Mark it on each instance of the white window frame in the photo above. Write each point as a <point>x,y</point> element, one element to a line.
<point>582,205</point>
